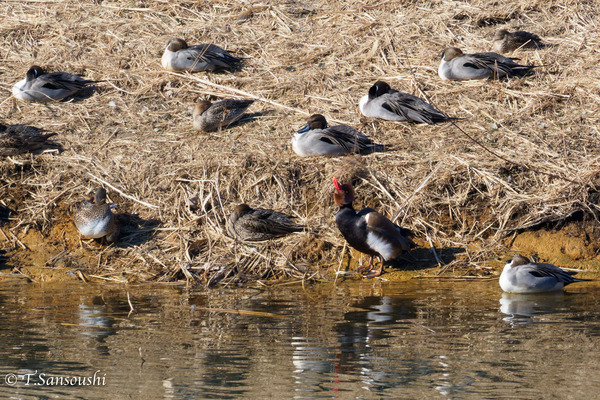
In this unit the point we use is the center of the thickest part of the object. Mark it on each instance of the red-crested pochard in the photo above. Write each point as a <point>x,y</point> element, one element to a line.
<point>368,231</point>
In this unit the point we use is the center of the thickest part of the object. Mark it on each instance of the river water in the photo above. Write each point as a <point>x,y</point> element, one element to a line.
<point>420,339</point>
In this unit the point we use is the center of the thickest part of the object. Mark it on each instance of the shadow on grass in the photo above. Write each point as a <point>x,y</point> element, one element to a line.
<point>135,230</point>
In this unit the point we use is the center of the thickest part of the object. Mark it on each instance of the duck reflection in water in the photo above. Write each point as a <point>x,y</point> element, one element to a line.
<point>358,334</point>
<point>520,309</point>
<point>358,352</point>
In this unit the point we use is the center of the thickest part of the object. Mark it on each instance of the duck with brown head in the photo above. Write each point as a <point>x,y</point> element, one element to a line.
<point>178,56</point>
<point>18,139</point>
<point>456,65</point>
<point>94,218</point>
<point>316,138</point>
<point>258,224</point>
<point>520,275</point>
<point>210,117</point>
<point>368,231</point>
<point>506,41</point>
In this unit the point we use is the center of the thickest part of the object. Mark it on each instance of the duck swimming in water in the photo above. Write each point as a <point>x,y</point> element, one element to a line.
<point>178,56</point>
<point>94,218</point>
<point>254,225</point>
<point>506,42</point>
<point>318,139</point>
<point>43,87</point>
<point>456,65</point>
<point>523,276</point>
<point>210,117</point>
<point>18,139</point>
<point>386,103</point>
<point>368,231</point>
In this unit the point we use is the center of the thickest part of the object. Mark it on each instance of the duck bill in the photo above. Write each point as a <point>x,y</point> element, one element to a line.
<point>305,128</point>
<point>337,184</point>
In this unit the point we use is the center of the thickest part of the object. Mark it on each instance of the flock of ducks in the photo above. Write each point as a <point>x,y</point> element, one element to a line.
<point>367,231</point>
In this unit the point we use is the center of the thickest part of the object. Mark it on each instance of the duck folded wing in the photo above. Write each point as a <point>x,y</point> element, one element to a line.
<point>268,221</point>
<point>495,63</point>
<point>208,53</point>
<point>412,108</point>
<point>63,80</point>
<point>386,231</point>
<point>549,270</point>
<point>231,110</point>
<point>345,137</point>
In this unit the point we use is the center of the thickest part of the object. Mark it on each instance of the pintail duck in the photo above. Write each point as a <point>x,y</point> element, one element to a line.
<point>457,65</point>
<point>523,276</point>
<point>505,41</point>
<point>318,139</point>
<point>386,103</point>
<point>255,225</point>
<point>94,218</point>
<point>18,139</point>
<point>368,231</point>
<point>209,116</point>
<point>44,87</point>
<point>178,56</point>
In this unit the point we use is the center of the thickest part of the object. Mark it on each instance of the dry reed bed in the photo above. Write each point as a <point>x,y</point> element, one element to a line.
<point>527,150</point>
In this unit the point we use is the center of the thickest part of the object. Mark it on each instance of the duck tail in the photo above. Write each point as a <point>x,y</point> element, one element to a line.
<point>379,148</point>
<point>227,61</point>
<point>48,135</point>
<point>524,70</point>
<point>90,82</point>
<point>375,148</point>
<point>436,119</point>
<point>246,103</point>
<point>231,59</point>
<point>452,119</point>
<point>573,279</point>
<point>577,279</point>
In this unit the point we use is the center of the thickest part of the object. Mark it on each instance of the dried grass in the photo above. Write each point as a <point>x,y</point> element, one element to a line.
<point>526,151</point>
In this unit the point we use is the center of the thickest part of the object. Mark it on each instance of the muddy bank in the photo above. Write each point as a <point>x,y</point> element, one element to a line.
<point>58,253</point>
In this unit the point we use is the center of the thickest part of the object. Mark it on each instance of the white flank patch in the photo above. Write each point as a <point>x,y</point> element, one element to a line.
<point>504,281</point>
<point>441,72</point>
<point>296,147</point>
<point>166,59</point>
<point>361,104</point>
<point>379,245</point>
<point>17,90</point>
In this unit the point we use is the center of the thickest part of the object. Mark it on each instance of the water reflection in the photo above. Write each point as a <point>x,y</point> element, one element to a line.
<point>365,340</point>
<point>522,308</point>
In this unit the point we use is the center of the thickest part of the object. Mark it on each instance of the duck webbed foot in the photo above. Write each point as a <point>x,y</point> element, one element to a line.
<point>366,269</point>
<point>376,273</point>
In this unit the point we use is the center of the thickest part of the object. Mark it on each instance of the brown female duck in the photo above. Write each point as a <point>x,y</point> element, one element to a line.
<point>18,139</point>
<point>254,225</point>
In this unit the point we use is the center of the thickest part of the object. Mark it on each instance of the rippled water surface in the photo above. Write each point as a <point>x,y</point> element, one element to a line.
<point>418,339</point>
